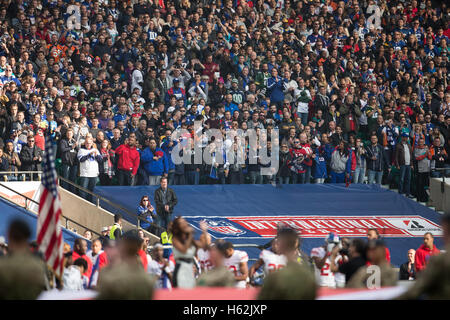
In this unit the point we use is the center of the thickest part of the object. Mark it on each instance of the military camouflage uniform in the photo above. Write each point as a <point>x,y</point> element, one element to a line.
<point>22,276</point>
<point>217,277</point>
<point>294,282</point>
<point>388,277</point>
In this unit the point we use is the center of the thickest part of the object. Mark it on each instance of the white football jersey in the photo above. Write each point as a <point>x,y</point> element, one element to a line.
<point>272,261</point>
<point>324,277</point>
<point>204,260</point>
<point>233,263</point>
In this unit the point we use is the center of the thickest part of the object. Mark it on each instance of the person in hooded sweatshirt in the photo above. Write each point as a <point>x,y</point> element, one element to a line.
<point>341,162</point>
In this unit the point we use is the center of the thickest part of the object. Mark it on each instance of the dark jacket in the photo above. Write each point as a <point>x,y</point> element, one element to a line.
<point>160,201</point>
<point>68,153</point>
<point>405,274</point>
<point>285,159</point>
<point>26,157</point>
<point>377,151</point>
<point>345,111</point>
<point>400,155</point>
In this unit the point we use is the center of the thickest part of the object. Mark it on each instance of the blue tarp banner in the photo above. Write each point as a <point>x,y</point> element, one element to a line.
<point>9,211</point>
<point>250,213</point>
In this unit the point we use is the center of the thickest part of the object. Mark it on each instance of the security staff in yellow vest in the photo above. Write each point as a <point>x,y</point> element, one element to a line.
<point>166,239</point>
<point>116,230</point>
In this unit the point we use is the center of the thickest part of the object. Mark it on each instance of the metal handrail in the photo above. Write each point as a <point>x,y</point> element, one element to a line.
<point>97,196</point>
<point>101,198</point>
<point>23,173</point>
<point>28,199</point>
<point>443,178</point>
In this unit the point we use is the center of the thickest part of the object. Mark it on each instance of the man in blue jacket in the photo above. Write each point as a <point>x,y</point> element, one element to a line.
<point>167,145</point>
<point>155,162</point>
<point>275,88</point>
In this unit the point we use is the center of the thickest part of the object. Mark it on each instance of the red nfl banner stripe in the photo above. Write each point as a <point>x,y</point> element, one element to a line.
<point>348,226</point>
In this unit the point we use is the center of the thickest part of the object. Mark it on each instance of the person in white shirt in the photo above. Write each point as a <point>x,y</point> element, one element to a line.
<point>236,262</point>
<point>161,268</point>
<point>95,251</point>
<point>270,259</point>
<point>137,79</point>
<point>89,158</point>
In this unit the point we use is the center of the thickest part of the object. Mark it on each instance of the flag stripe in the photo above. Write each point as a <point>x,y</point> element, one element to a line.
<point>43,208</point>
<point>49,235</point>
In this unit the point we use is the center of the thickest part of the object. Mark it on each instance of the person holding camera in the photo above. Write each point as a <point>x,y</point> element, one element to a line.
<point>147,213</point>
<point>357,259</point>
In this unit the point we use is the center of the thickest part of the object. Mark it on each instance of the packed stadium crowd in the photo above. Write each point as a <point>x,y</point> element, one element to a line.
<point>357,91</point>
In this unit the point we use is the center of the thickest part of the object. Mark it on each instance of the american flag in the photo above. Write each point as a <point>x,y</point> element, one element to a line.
<point>49,235</point>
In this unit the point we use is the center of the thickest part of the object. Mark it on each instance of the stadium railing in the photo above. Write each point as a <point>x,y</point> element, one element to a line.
<point>27,207</point>
<point>24,175</point>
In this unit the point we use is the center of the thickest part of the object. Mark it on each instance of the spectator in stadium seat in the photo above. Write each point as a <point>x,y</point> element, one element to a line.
<point>165,201</point>
<point>284,172</point>
<point>107,166</point>
<point>4,165</point>
<point>31,157</point>
<point>79,251</point>
<point>89,158</point>
<point>361,163</point>
<point>340,163</point>
<point>155,162</point>
<point>407,269</point>
<point>147,213</point>
<point>424,252</point>
<point>403,160</point>
<point>422,155</point>
<point>13,160</point>
<point>375,161</point>
<point>128,161</point>
<point>69,162</point>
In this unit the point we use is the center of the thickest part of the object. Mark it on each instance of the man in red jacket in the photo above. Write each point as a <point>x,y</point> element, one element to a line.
<point>425,251</point>
<point>129,159</point>
<point>79,251</point>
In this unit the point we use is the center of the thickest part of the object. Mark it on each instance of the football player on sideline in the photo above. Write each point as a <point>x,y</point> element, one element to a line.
<point>321,258</point>
<point>270,259</point>
<point>236,261</point>
<point>203,255</point>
